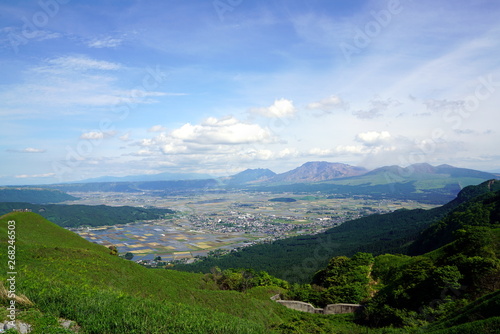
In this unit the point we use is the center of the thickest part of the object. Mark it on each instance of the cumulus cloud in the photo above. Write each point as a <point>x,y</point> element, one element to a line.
<point>225,131</point>
<point>221,139</point>
<point>280,108</point>
<point>373,138</point>
<point>328,104</point>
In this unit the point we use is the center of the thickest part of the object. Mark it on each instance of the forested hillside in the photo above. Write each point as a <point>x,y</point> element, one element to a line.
<point>33,195</point>
<point>297,259</point>
<point>449,288</point>
<point>61,277</point>
<point>87,215</point>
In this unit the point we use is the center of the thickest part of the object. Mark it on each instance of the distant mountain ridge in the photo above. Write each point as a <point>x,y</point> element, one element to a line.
<point>148,177</point>
<point>316,171</point>
<point>249,176</point>
<point>309,172</point>
<point>419,182</point>
<point>426,169</point>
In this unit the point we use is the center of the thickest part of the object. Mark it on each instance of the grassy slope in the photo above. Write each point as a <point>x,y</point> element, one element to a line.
<point>66,276</point>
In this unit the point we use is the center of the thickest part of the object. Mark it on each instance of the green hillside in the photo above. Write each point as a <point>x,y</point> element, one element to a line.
<point>60,275</point>
<point>483,210</point>
<point>452,289</point>
<point>76,215</point>
<point>33,195</point>
<point>297,259</point>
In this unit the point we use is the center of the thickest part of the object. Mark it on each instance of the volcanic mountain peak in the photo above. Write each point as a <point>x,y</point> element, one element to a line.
<point>315,171</point>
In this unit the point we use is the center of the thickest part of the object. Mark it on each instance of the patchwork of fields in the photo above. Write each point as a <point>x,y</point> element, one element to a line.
<point>227,221</point>
<point>150,239</point>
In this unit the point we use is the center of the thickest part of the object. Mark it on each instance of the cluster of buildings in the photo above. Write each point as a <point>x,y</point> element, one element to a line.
<point>271,225</point>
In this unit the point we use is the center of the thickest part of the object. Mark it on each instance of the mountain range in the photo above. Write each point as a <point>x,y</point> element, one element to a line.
<point>316,171</point>
<point>147,177</point>
<point>419,182</point>
<point>310,172</point>
<point>319,171</point>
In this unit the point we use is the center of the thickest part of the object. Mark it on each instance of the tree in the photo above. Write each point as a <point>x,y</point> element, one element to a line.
<point>113,250</point>
<point>129,256</point>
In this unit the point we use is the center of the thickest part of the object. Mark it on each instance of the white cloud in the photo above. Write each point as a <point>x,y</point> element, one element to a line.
<point>377,108</point>
<point>72,82</point>
<point>33,150</point>
<point>24,176</point>
<point>81,63</point>
<point>225,131</point>
<point>373,138</point>
<point>328,104</point>
<point>104,42</point>
<point>288,153</point>
<point>125,137</point>
<point>97,135</point>
<point>280,108</point>
<point>338,150</point>
<point>28,150</point>
<point>157,128</point>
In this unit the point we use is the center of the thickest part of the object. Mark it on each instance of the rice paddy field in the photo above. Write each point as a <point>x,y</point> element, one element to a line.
<point>206,221</point>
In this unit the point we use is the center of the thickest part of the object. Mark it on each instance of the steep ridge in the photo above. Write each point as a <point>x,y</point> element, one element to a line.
<point>479,206</point>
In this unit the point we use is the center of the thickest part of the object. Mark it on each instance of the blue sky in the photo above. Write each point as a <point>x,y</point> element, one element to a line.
<point>217,86</point>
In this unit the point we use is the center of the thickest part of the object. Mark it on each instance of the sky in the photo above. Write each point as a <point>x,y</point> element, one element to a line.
<point>115,88</point>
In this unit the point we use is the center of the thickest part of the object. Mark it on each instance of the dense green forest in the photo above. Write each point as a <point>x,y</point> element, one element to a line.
<point>297,259</point>
<point>88,215</point>
<point>33,195</point>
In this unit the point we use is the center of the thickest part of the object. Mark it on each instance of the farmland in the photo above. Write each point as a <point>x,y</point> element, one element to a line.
<point>224,220</point>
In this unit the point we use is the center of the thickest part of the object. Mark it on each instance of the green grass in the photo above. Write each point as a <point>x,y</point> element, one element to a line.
<point>68,277</point>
